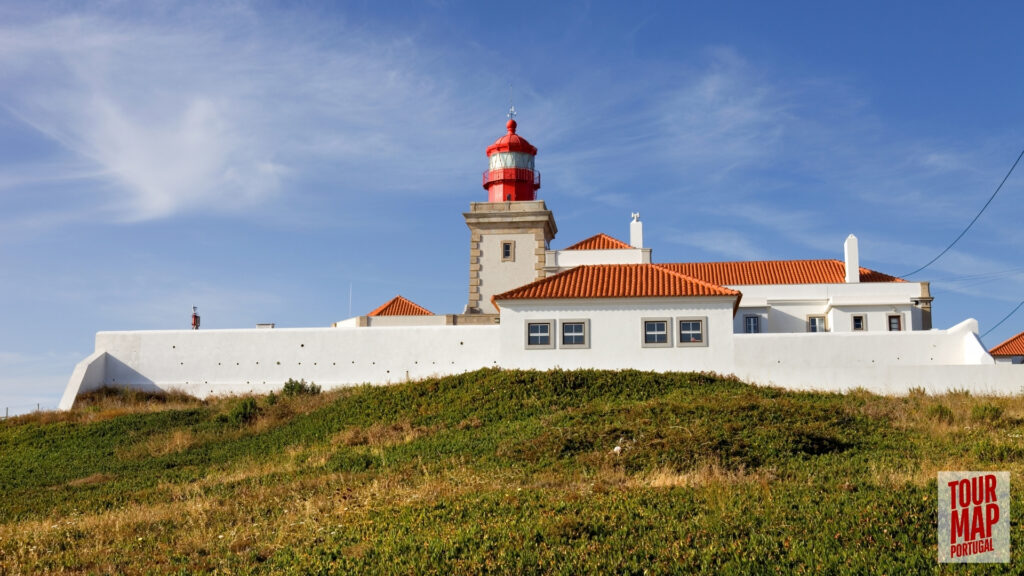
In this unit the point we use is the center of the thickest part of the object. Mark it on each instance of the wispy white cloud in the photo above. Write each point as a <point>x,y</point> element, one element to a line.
<point>721,118</point>
<point>181,116</point>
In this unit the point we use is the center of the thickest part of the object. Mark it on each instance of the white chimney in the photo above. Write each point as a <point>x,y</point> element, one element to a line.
<point>852,259</point>
<point>636,232</point>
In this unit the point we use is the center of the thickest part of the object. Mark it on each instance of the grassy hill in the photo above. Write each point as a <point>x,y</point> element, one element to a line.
<point>499,471</point>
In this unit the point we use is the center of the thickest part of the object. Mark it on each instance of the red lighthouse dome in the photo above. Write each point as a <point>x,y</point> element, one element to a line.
<point>510,176</point>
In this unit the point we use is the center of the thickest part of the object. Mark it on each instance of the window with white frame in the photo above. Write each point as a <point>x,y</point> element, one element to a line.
<point>895,323</point>
<point>575,334</point>
<point>539,334</point>
<point>692,332</point>
<point>860,323</point>
<point>656,332</point>
<point>752,324</point>
<point>816,324</point>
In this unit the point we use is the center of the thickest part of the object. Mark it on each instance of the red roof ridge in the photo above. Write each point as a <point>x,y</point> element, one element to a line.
<point>400,306</point>
<point>751,272</point>
<point>1013,346</point>
<point>599,241</point>
<point>615,281</point>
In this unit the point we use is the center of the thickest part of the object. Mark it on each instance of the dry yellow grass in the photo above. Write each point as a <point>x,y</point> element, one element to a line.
<point>259,517</point>
<point>383,434</point>
<point>91,479</point>
<point>707,474</point>
<point>170,442</point>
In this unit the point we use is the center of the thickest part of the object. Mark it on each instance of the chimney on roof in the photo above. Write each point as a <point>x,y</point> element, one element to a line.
<point>852,255</point>
<point>636,232</point>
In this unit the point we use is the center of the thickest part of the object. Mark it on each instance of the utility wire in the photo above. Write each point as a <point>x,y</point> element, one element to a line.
<point>1005,318</point>
<point>978,215</point>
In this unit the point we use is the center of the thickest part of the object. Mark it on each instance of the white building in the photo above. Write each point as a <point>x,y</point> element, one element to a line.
<point>600,303</point>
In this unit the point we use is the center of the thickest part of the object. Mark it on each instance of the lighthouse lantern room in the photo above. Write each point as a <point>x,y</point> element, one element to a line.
<point>510,175</point>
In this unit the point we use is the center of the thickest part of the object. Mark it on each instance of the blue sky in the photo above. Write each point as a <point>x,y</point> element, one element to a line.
<point>258,159</point>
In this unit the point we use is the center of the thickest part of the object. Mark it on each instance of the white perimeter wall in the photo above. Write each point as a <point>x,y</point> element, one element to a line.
<point>616,334</point>
<point>210,362</point>
<point>885,363</point>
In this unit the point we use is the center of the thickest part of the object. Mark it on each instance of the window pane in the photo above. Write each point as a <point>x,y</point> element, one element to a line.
<point>752,324</point>
<point>858,322</point>
<point>691,331</point>
<point>894,323</point>
<point>573,334</point>
<point>656,332</point>
<point>539,335</point>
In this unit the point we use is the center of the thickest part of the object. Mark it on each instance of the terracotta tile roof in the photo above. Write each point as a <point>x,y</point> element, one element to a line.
<point>775,272</point>
<point>616,281</point>
<point>599,242</point>
<point>399,306</point>
<point>1012,347</point>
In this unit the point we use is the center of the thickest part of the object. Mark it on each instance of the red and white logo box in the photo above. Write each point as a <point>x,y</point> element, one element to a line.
<point>974,517</point>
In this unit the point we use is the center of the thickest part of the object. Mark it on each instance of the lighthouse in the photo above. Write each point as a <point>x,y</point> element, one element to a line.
<point>511,230</point>
<point>511,175</point>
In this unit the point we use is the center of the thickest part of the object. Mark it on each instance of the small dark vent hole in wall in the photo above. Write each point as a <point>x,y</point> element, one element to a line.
<point>460,343</point>
<point>173,346</point>
<point>278,362</point>
<point>302,345</point>
<point>300,363</point>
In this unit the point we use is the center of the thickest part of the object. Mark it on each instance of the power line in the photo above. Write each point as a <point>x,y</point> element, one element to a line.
<point>1005,318</point>
<point>978,215</point>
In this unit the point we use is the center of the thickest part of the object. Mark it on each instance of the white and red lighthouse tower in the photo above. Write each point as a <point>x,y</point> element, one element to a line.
<point>509,233</point>
<point>511,176</point>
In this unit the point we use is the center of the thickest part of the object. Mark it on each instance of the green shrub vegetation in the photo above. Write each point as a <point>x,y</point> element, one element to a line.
<point>299,388</point>
<point>509,472</point>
